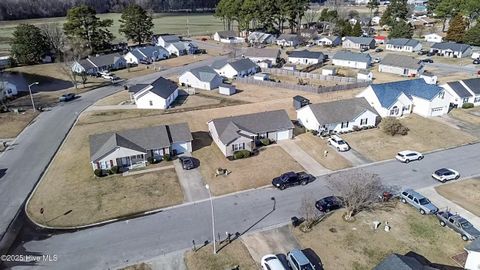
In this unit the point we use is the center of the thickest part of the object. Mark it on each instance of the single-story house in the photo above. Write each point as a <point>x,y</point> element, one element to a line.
<point>380,39</point>
<point>402,262</point>
<point>435,38</point>
<point>7,90</point>
<point>288,40</point>
<point>403,45</point>
<point>241,132</point>
<point>227,37</point>
<point>132,148</point>
<point>305,57</point>
<point>404,97</point>
<point>148,53</point>
<point>227,89</point>
<point>157,95</point>
<point>94,64</point>
<point>358,43</point>
<point>473,255</point>
<point>259,55</point>
<point>260,38</point>
<point>401,65</point>
<point>204,77</point>
<point>164,40</point>
<point>475,55</point>
<point>365,75</point>
<point>261,76</point>
<point>182,48</point>
<point>352,59</point>
<point>337,116</point>
<point>464,91</point>
<point>330,41</point>
<point>451,49</point>
<point>238,68</point>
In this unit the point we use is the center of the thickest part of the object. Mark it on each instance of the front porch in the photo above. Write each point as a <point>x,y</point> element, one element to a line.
<point>131,162</point>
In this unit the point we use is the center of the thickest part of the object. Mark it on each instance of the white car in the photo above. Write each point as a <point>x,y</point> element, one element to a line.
<point>271,262</point>
<point>338,143</point>
<point>110,76</point>
<point>445,174</point>
<point>408,155</point>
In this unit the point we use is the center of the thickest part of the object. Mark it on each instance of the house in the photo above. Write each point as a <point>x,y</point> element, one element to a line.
<point>475,55</point>
<point>330,41</point>
<point>262,76</point>
<point>259,55</point>
<point>157,95</point>
<point>464,91</point>
<point>358,43</point>
<point>238,68</point>
<point>204,77</point>
<point>429,77</point>
<point>182,48</point>
<point>149,53</point>
<point>401,65</point>
<point>94,64</point>
<point>164,40</point>
<point>473,255</point>
<point>402,262</point>
<point>132,148</point>
<point>288,40</point>
<point>227,37</point>
<point>352,59</point>
<point>435,38</point>
<point>5,61</point>
<point>260,38</point>
<point>451,49</point>
<point>7,90</point>
<point>305,57</point>
<point>337,116</point>
<point>380,39</point>
<point>365,75</point>
<point>404,97</point>
<point>227,89</point>
<point>403,45</point>
<point>241,132</point>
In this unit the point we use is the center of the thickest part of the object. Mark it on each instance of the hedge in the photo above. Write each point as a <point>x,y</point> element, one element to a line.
<point>467,105</point>
<point>241,154</point>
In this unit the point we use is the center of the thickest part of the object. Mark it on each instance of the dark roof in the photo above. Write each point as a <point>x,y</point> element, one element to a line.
<point>219,64</point>
<point>400,262</point>
<point>242,64</point>
<point>228,128</point>
<point>459,89</point>
<point>267,53</point>
<point>104,60</point>
<point>387,93</point>
<point>227,34</point>
<point>457,47</point>
<point>163,87</point>
<point>361,40</point>
<point>86,64</point>
<point>340,110</point>
<point>306,54</point>
<point>473,84</point>
<point>204,73</point>
<point>352,56</point>
<point>169,38</point>
<point>301,99</point>
<point>289,37</point>
<point>403,42</point>
<point>403,61</point>
<point>136,87</point>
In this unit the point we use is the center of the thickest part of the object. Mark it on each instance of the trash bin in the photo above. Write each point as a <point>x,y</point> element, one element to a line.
<point>295,221</point>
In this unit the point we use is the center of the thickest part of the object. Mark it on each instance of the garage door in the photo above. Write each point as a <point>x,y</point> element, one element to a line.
<point>283,135</point>
<point>180,148</point>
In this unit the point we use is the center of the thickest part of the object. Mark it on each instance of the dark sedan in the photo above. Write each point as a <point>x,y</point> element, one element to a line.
<point>329,203</point>
<point>187,163</point>
<point>67,97</point>
<point>292,179</point>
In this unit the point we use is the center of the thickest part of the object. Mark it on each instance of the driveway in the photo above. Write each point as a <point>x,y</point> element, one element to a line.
<point>354,157</point>
<point>304,159</point>
<point>191,181</point>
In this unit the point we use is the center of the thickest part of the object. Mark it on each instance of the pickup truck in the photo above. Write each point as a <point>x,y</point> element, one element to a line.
<point>458,224</point>
<point>289,179</point>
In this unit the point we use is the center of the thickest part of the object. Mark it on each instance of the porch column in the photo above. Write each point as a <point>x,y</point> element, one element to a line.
<point>130,158</point>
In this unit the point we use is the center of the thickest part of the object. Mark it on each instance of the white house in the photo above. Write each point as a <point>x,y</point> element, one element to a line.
<point>149,53</point>
<point>165,40</point>
<point>376,20</point>
<point>157,95</point>
<point>288,40</point>
<point>358,43</point>
<point>451,49</point>
<point>475,55</point>
<point>227,89</point>
<point>94,64</point>
<point>365,75</point>
<point>182,48</point>
<point>201,78</point>
<point>305,57</point>
<point>403,45</point>
<point>329,41</point>
<point>464,91</point>
<point>404,97</point>
<point>473,255</point>
<point>401,65</point>
<point>262,76</point>
<point>260,55</point>
<point>435,38</point>
<point>238,68</point>
<point>7,90</point>
<point>260,38</point>
<point>227,37</point>
<point>351,59</point>
<point>337,116</point>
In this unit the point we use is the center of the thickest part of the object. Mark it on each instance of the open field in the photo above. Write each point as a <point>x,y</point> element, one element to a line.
<point>356,246</point>
<point>464,193</point>
<point>11,124</point>
<point>471,116</point>
<point>315,147</point>
<point>424,135</point>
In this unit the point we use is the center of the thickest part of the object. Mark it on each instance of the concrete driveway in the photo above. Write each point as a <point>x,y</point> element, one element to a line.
<point>191,181</point>
<point>354,157</point>
<point>302,157</point>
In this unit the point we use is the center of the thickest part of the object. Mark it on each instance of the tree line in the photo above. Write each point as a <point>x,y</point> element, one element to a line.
<point>27,9</point>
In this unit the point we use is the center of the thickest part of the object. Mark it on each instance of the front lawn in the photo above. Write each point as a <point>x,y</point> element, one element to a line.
<point>11,124</point>
<point>471,116</point>
<point>464,193</point>
<point>315,147</point>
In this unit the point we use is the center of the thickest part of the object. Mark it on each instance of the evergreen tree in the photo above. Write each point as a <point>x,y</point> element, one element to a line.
<point>401,30</point>
<point>456,29</point>
<point>136,24</point>
<point>397,10</point>
<point>472,36</point>
<point>28,44</point>
<point>356,30</point>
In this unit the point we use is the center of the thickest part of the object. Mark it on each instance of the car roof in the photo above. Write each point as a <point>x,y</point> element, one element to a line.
<point>414,193</point>
<point>336,137</point>
<point>299,256</point>
<point>404,152</point>
<point>443,170</point>
<point>274,262</point>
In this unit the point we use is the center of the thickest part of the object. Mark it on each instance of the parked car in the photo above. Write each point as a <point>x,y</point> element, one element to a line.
<point>408,155</point>
<point>289,179</point>
<point>422,52</point>
<point>271,262</point>
<point>476,61</point>
<point>66,97</point>
<point>364,49</point>
<point>377,60</point>
<point>458,224</point>
<point>109,76</point>
<point>329,203</point>
<point>378,50</point>
<point>338,143</point>
<point>445,174</point>
<point>144,62</point>
<point>427,60</point>
<point>298,261</point>
<point>418,201</point>
<point>187,163</point>
<point>430,53</point>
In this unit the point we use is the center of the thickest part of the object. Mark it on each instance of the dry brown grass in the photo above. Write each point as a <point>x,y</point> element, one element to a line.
<point>11,124</point>
<point>182,60</point>
<point>467,115</point>
<point>424,135</point>
<point>315,147</point>
<point>140,266</point>
<point>114,99</point>
<point>234,254</point>
<point>464,193</point>
<point>342,245</point>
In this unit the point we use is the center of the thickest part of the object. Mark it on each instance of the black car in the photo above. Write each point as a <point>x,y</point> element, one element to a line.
<point>289,179</point>
<point>422,52</point>
<point>329,203</point>
<point>476,61</point>
<point>67,97</point>
<point>145,62</point>
<point>427,60</point>
<point>378,50</point>
<point>430,54</point>
<point>187,163</point>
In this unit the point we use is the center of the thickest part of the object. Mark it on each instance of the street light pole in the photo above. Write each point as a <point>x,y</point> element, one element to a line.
<point>31,96</point>
<point>213,219</point>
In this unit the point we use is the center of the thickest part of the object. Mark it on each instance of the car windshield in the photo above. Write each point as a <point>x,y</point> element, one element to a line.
<point>340,142</point>
<point>270,258</point>
<point>400,155</point>
<point>465,224</point>
<point>424,201</point>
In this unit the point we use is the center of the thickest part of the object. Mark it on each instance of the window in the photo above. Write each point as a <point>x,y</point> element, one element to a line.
<point>465,100</point>
<point>394,110</point>
<point>151,103</point>
<point>415,200</point>
<point>363,121</point>
<point>238,146</point>
<point>477,99</point>
<point>441,94</point>
<point>406,108</point>
<point>345,125</point>
<point>410,197</point>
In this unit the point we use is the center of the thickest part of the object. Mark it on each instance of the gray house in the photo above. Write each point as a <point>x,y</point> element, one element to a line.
<point>131,148</point>
<point>358,43</point>
<point>451,49</point>
<point>401,65</point>
<point>241,132</point>
<point>403,45</point>
<point>288,40</point>
<point>259,55</point>
<point>94,64</point>
<point>352,59</point>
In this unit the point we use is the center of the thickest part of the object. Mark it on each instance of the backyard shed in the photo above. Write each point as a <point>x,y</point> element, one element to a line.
<point>227,89</point>
<point>299,102</point>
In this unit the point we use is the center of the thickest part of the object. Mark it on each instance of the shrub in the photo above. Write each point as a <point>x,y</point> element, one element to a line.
<point>393,126</point>
<point>166,157</point>
<point>98,173</point>
<point>265,141</point>
<point>241,154</point>
<point>152,160</point>
<point>356,128</point>
<point>115,170</point>
<point>467,105</point>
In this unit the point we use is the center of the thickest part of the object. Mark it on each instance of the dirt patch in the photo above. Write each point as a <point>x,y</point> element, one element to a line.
<point>464,193</point>
<point>11,124</point>
<point>140,266</point>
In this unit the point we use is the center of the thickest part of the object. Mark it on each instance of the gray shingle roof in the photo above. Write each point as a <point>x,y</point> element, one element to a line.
<point>204,73</point>
<point>306,54</point>
<point>331,38</point>
<point>473,84</point>
<point>137,87</point>
<point>169,38</point>
<point>228,128</point>
<point>289,37</point>
<point>267,53</point>
<point>352,56</point>
<point>86,64</point>
<point>179,132</point>
<point>219,64</point>
<point>104,60</point>
<point>458,88</point>
<point>403,61</point>
<point>401,262</point>
<point>361,40</point>
<point>457,47</point>
<point>149,51</point>
<point>403,42</point>
<point>161,87</point>
<point>340,111</point>
<point>242,64</point>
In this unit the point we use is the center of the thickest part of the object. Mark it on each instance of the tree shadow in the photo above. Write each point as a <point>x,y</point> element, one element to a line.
<point>201,139</point>
<point>424,261</point>
<point>313,258</point>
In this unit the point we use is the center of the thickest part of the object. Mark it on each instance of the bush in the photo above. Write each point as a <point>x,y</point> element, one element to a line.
<point>166,157</point>
<point>152,160</point>
<point>114,170</point>
<point>265,141</point>
<point>393,126</point>
<point>98,173</point>
<point>356,128</point>
<point>241,154</point>
<point>467,105</point>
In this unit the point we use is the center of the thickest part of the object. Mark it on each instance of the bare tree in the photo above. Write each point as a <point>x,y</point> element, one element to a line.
<point>360,190</point>
<point>308,212</point>
<point>73,52</point>
<point>55,36</point>
<point>310,16</point>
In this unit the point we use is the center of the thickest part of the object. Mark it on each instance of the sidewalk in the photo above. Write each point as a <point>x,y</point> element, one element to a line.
<point>127,173</point>
<point>304,159</point>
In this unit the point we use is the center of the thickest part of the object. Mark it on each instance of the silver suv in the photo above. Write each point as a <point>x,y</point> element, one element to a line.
<point>418,201</point>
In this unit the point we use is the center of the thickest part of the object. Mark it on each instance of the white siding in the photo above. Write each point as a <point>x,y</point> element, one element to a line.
<point>473,260</point>
<point>306,117</point>
<point>303,61</point>
<point>426,108</point>
<point>213,133</point>
<point>150,100</point>
<point>399,70</point>
<point>131,59</point>
<point>352,64</point>
<point>402,102</point>
<point>189,79</point>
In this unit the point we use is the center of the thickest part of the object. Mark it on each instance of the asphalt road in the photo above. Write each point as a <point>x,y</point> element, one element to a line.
<point>118,244</point>
<point>24,162</point>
